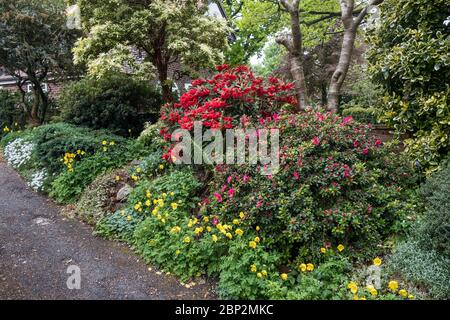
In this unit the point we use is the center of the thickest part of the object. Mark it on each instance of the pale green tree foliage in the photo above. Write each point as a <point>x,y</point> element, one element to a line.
<point>163,31</point>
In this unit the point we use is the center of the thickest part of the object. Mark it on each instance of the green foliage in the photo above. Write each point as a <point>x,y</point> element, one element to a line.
<point>425,268</point>
<point>119,225</point>
<point>410,59</point>
<point>361,114</point>
<point>151,136</point>
<point>115,102</point>
<point>165,30</point>
<point>54,140</point>
<point>336,183</point>
<point>434,227</point>
<point>68,186</point>
<point>10,113</point>
<point>32,56</point>
<point>98,198</point>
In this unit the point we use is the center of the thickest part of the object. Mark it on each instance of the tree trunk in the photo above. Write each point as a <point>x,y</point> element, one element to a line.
<point>296,68</point>
<point>342,68</point>
<point>295,49</point>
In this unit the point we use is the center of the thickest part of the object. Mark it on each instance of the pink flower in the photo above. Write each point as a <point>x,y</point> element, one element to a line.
<point>215,221</point>
<point>246,178</point>
<point>356,143</point>
<point>369,209</point>
<point>347,120</point>
<point>346,173</point>
<point>231,192</point>
<point>224,187</point>
<point>259,203</point>
<point>378,142</point>
<point>275,117</point>
<point>366,151</point>
<point>295,175</point>
<point>218,197</point>
<point>315,141</point>
<point>319,116</point>
<point>229,179</point>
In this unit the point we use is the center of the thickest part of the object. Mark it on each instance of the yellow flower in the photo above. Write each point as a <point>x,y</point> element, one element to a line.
<point>112,143</point>
<point>372,290</point>
<point>104,142</point>
<point>264,273</point>
<point>78,151</point>
<point>198,230</point>
<point>257,228</point>
<point>177,252</point>
<point>117,178</point>
<point>340,247</point>
<point>253,268</point>
<point>377,261</point>
<point>235,221</point>
<point>257,240</point>
<point>252,244</point>
<point>134,178</point>
<point>355,297</point>
<point>310,267</point>
<point>284,276</point>
<point>174,205</point>
<point>362,298</point>
<point>206,219</point>
<point>175,229</point>
<point>353,287</point>
<point>229,235</point>
<point>208,228</point>
<point>187,240</point>
<point>411,297</point>
<point>323,250</point>
<point>214,238</point>
<point>239,232</point>
<point>403,293</point>
<point>137,206</point>
<point>241,215</point>
<point>122,213</point>
<point>302,267</point>
<point>148,194</point>
<point>129,218</point>
<point>161,167</point>
<point>393,285</point>
<point>259,275</point>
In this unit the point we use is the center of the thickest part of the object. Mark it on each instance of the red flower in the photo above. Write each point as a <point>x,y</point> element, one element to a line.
<point>356,143</point>
<point>378,142</point>
<point>315,141</point>
<point>218,197</point>
<point>295,175</point>
<point>366,151</point>
<point>231,192</point>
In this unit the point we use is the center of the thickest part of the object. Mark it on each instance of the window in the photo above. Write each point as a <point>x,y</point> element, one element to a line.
<point>44,87</point>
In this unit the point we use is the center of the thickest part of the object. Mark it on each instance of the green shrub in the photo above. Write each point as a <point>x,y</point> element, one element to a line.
<point>54,140</point>
<point>68,186</point>
<point>98,199</point>
<point>361,114</point>
<point>434,227</point>
<point>116,102</point>
<point>425,268</point>
<point>119,225</point>
<point>151,137</point>
<point>11,116</point>
<point>410,58</point>
<point>336,183</point>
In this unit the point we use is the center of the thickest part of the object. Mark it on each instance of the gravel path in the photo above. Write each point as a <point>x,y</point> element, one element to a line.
<point>38,244</point>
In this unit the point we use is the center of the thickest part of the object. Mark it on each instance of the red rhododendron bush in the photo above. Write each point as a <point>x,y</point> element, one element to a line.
<point>339,193</point>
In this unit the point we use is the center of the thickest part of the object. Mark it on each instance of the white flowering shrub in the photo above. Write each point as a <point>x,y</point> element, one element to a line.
<point>38,179</point>
<point>18,152</point>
